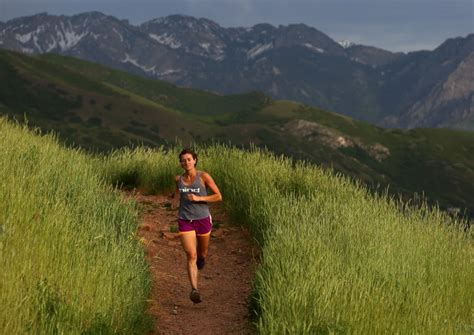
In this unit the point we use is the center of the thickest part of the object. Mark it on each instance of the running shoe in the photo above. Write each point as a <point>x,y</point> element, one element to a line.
<point>201,261</point>
<point>195,296</point>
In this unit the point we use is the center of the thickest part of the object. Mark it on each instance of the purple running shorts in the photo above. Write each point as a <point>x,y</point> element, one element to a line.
<point>202,227</point>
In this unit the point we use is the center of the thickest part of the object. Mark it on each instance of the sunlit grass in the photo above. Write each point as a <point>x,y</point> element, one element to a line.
<point>335,259</point>
<point>70,263</point>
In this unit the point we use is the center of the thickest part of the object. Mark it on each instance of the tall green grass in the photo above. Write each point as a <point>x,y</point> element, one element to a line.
<point>335,259</point>
<point>69,260</point>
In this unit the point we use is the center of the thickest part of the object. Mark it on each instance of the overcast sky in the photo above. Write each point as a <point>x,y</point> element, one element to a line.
<point>395,25</point>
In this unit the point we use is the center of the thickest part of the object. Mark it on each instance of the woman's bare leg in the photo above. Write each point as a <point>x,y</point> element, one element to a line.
<point>203,245</point>
<point>189,242</point>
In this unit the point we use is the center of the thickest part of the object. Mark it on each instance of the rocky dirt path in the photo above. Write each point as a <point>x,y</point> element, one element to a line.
<point>224,283</point>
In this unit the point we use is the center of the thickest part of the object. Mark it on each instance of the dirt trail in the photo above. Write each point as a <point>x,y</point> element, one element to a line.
<point>224,283</point>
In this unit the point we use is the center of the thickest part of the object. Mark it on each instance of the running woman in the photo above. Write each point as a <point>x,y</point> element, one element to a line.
<point>194,218</point>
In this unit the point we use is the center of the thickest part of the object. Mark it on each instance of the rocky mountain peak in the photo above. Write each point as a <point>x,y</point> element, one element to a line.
<point>201,37</point>
<point>456,47</point>
<point>262,28</point>
<point>182,24</point>
<point>50,33</point>
<point>308,37</point>
<point>371,56</point>
<point>92,15</point>
<point>346,44</point>
<point>297,62</point>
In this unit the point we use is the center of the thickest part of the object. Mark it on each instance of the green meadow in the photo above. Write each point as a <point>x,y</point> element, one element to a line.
<point>334,258</point>
<point>69,259</point>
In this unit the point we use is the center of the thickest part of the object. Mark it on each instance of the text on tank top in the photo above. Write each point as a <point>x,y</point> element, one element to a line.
<point>192,210</point>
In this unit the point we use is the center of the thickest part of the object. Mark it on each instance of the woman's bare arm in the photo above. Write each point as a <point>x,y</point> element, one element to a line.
<point>209,182</point>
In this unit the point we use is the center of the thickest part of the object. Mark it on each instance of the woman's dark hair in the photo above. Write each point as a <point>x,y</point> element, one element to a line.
<point>189,151</point>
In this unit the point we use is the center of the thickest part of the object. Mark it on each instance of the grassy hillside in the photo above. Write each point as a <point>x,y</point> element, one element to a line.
<point>100,109</point>
<point>183,99</point>
<point>436,163</point>
<point>95,115</point>
<point>70,264</point>
<point>335,259</point>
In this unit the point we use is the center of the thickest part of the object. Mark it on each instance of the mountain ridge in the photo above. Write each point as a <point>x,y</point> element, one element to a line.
<point>294,62</point>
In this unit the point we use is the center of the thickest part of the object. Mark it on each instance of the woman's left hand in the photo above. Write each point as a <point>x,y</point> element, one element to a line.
<point>193,197</point>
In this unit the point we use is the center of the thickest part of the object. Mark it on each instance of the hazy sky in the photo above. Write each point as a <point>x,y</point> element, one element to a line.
<point>396,25</point>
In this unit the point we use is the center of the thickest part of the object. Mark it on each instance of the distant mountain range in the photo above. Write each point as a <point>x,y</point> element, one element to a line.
<point>295,62</point>
<point>99,108</point>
